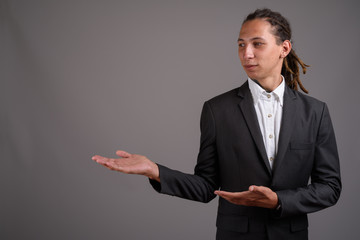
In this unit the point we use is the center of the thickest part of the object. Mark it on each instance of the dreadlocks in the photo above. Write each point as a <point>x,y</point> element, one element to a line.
<point>282,31</point>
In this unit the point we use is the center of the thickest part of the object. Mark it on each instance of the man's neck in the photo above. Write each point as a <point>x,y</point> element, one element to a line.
<point>269,84</point>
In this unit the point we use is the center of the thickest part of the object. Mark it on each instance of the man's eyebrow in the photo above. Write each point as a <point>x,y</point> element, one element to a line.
<point>252,39</point>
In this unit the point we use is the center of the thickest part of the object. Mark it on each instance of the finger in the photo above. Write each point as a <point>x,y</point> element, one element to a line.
<point>106,164</point>
<point>259,189</point>
<point>222,194</point>
<point>225,194</point>
<point>123,154</point>
<point>233,197</point>
<point>100,159</point>
<point>253,188</point>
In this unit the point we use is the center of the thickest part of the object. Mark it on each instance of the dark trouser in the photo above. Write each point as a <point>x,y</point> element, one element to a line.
<point>229,235</point>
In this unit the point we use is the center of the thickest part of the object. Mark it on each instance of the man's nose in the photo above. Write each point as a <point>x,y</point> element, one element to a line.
<point>248,52</point>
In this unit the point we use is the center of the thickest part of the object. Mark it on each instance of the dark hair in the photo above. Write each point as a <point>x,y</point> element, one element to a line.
<point>282,31</point>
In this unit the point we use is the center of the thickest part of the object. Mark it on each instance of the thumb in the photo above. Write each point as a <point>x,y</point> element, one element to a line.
<point>258,189</point>
<point>254,188</point>
<point>123,154</point>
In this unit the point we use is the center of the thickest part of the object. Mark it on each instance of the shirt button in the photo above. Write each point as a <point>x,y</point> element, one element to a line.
<point>268,96</point>
<point>271,136</point>
<point>269,115</point>
<point>271,159</point>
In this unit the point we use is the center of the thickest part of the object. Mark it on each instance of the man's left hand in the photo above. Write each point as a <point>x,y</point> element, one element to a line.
<point>257,196</point>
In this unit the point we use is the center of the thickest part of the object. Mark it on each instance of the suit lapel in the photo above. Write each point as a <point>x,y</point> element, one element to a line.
<point>247,108</point>
<point>288,118</point>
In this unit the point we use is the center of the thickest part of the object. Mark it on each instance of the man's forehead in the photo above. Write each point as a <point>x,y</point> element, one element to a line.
<point>257,29</point>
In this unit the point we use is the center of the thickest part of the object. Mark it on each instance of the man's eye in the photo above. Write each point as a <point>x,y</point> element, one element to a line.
<point>241,45</point>
<point>258,44</point>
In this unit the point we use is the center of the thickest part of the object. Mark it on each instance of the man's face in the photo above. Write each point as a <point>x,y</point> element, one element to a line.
<point>259,54</point>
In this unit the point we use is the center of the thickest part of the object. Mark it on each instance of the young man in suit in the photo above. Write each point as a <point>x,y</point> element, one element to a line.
<point>260,145</point>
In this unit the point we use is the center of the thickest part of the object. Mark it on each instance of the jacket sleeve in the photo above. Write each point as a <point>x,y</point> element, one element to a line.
<point>201,185</point>
<point>325,187</point>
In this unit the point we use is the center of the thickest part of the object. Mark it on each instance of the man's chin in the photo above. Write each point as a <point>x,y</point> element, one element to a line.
<point>252,75</point>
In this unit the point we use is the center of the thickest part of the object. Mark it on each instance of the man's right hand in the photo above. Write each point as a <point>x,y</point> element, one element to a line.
<point>130,164</point>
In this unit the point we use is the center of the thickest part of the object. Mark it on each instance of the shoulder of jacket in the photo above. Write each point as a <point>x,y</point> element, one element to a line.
<point>226,97</point>
<point>308,99</point>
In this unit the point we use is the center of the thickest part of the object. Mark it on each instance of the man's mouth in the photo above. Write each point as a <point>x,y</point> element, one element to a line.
<point>250,66</point>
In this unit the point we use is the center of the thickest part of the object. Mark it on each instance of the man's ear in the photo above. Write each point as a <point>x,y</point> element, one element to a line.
<point>286,48</point>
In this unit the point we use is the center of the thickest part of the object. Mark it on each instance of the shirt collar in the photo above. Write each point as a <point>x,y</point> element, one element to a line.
<point>257,91</point>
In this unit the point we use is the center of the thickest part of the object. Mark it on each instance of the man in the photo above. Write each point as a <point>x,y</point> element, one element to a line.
<point>260,144</point>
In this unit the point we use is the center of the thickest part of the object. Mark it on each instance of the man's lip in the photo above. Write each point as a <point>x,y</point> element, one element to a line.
<point>250,66</point>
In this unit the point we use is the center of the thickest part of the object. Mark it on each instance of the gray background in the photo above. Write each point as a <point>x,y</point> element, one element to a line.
<point>88,77</point>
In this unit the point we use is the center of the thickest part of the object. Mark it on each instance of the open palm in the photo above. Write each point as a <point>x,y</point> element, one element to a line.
<point>130,164</point>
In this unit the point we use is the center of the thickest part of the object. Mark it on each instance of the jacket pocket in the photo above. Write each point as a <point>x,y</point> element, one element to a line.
<point>232,223</point>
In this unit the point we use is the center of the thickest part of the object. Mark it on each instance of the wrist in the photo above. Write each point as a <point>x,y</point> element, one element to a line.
<point>154,172</point>
<point>276,202</point>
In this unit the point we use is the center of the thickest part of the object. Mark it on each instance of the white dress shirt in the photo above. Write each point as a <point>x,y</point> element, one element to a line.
<point>268,107</point>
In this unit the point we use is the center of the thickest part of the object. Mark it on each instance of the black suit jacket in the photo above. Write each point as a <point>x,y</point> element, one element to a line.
<point>232,157</point>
